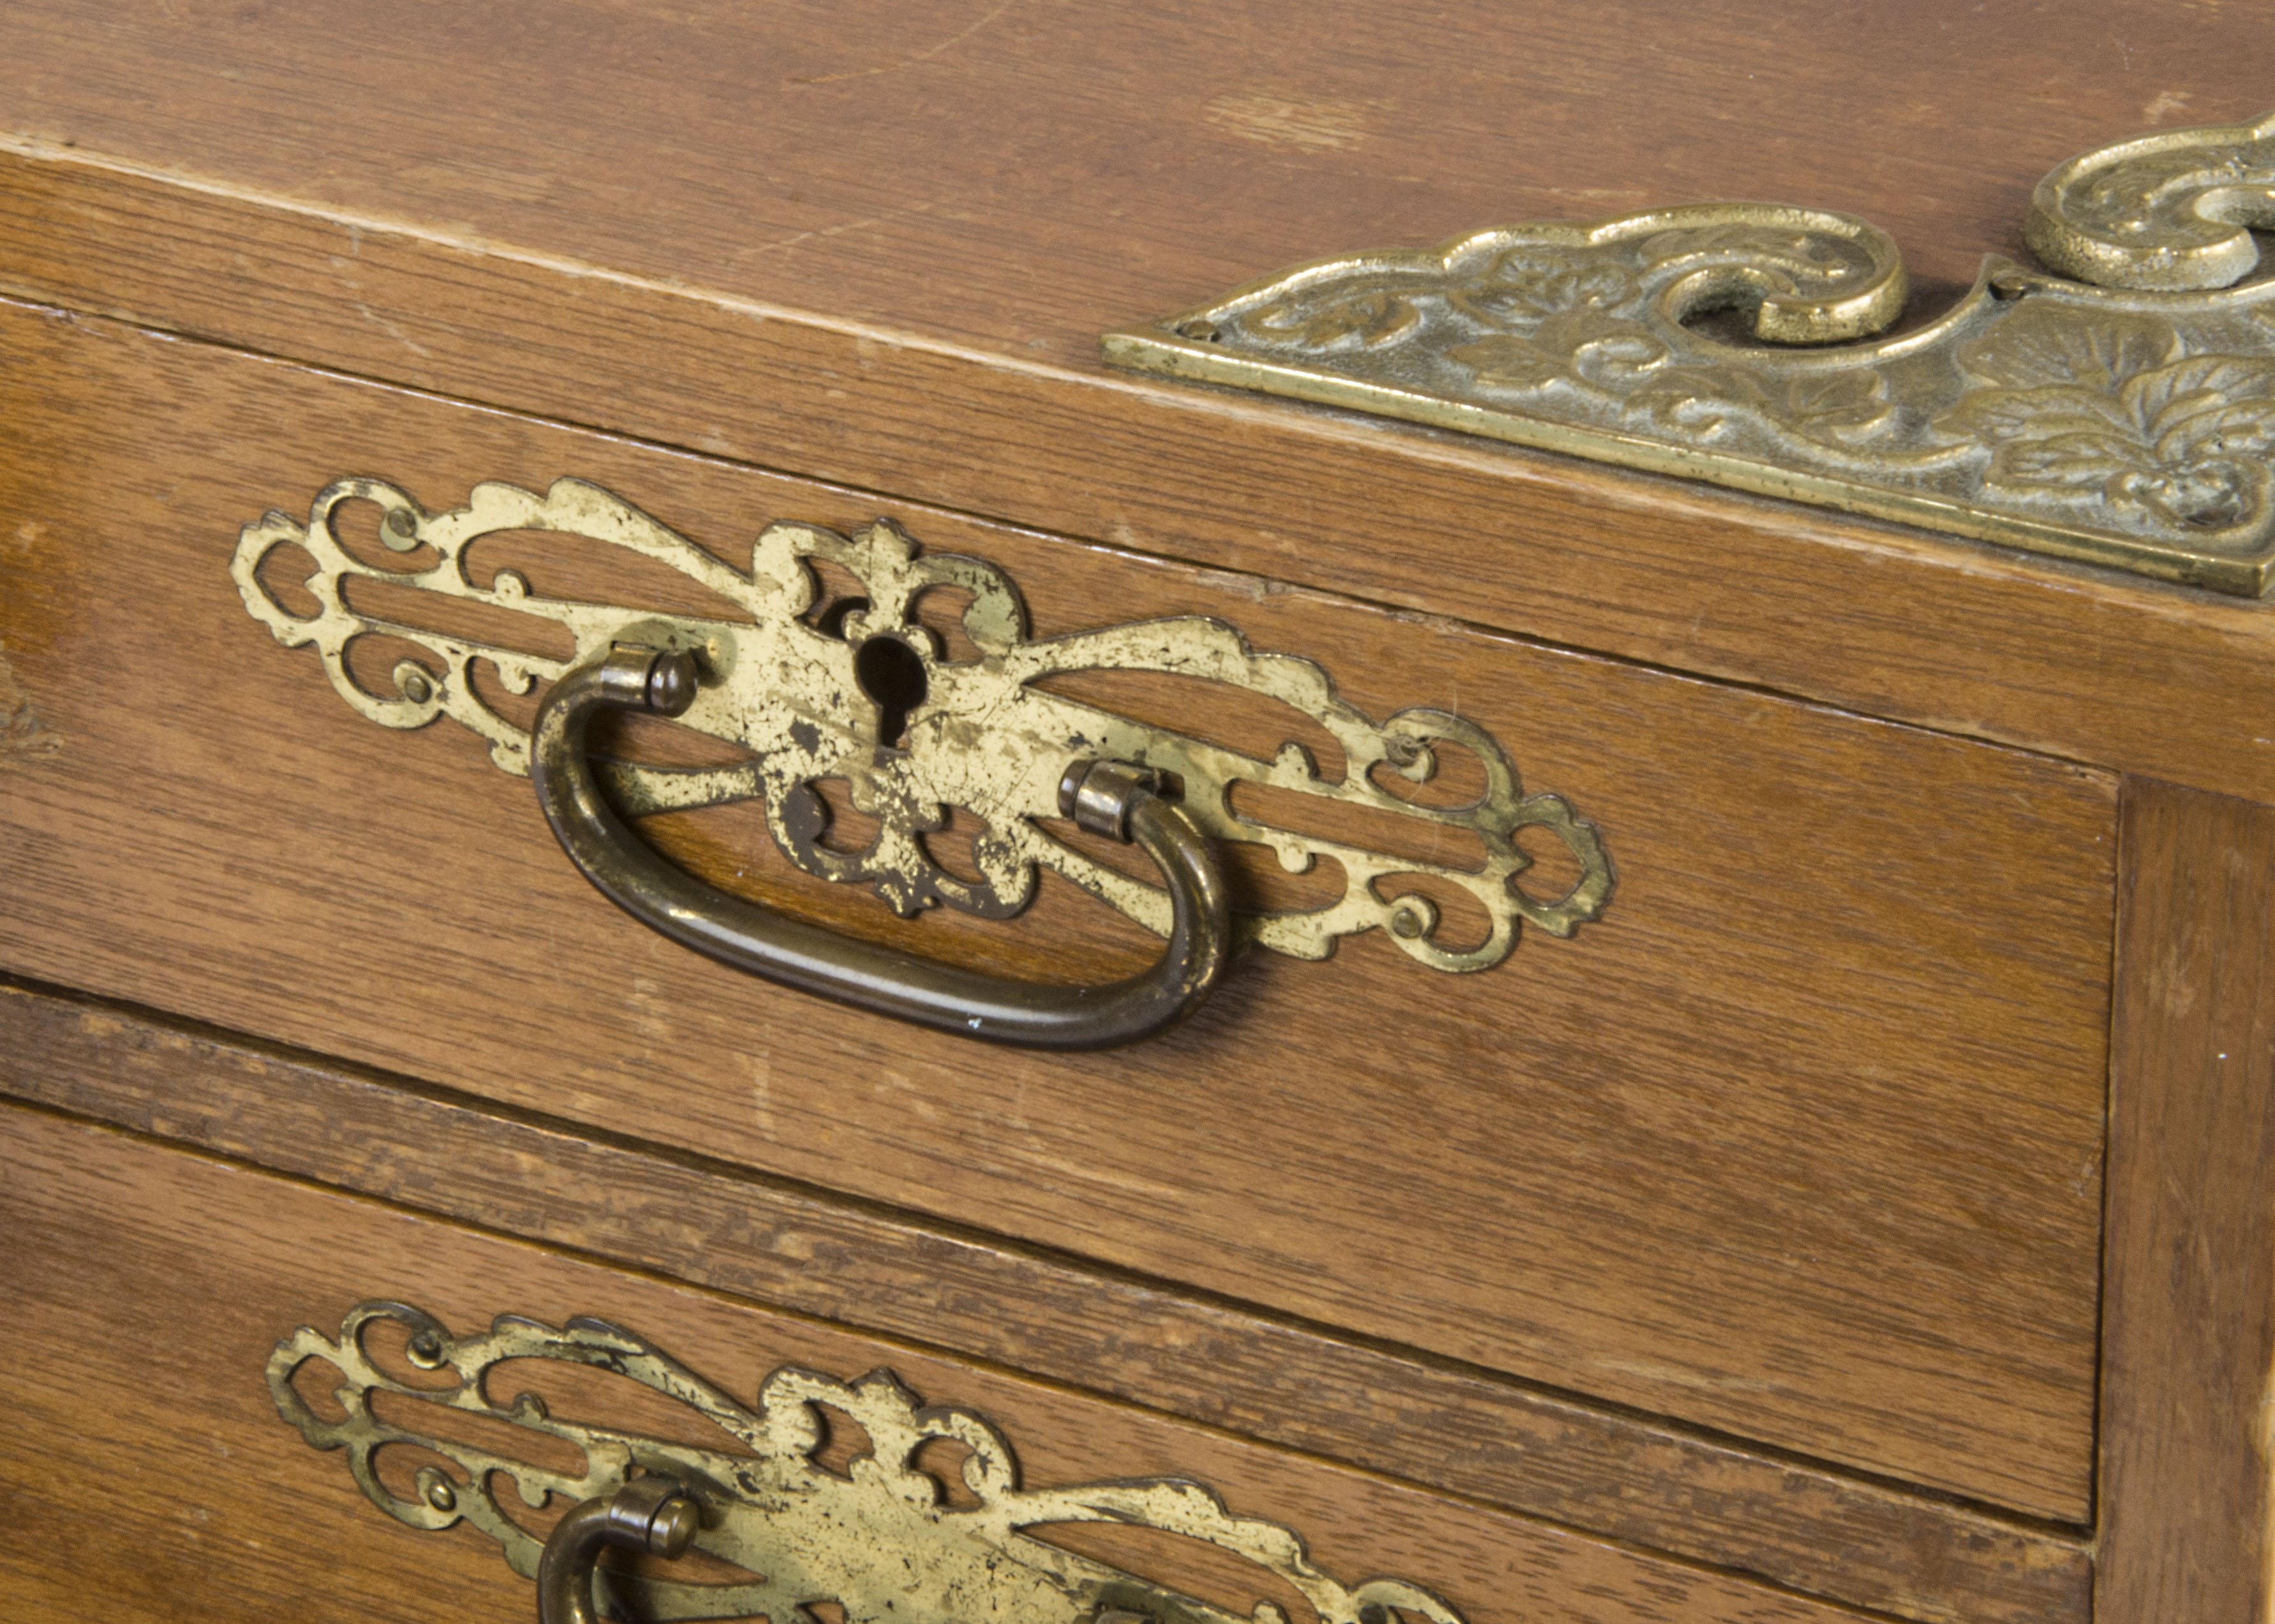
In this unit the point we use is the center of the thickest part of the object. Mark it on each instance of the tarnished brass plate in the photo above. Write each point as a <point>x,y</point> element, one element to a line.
<point>2127,419</point>
<point>793,688</point>
<point>881,1541</point>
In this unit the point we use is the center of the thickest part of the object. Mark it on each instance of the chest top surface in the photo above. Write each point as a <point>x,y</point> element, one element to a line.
<point>1018,178</point>
<point>879,246</point>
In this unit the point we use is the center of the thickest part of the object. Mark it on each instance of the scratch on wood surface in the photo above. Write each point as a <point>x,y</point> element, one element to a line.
<point>95,1024</point>
<point>782,244</point>
<point>394,331</point>
<point>2264,1443</point>
<point>908,62</point>
<point>1283,121</point>
<point>22,733</point>
<point>483,180</point>
<point>1649,1371</point>
<point>2167,104</point>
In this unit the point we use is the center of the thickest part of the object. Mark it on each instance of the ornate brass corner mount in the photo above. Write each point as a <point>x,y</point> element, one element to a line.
<point>2127,418</point>
<point>883,1540</point>
<point>796,683</point>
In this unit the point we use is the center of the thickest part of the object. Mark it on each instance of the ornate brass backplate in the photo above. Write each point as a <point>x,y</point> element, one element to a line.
<point>881,1541</point>
<point>2125,419</point>
<point>793,690</point>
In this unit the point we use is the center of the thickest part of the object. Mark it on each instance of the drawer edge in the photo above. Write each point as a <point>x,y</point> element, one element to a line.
<point>1801,1526</point>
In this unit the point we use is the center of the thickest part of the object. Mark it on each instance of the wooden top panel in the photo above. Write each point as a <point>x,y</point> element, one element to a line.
<point>1022,177</point>
<point>876,245</point>
<point>1802,1142</point>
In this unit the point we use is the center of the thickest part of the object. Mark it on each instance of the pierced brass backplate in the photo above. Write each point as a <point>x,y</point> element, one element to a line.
<point>794,689</point>
<point>2125,419</point>
<point>882,1541</point>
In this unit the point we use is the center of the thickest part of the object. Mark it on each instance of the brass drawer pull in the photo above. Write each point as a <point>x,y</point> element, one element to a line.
<point>649,1514</point>
<point>905,1531</point>
<point>820,685</point>
<point>1107,798</point>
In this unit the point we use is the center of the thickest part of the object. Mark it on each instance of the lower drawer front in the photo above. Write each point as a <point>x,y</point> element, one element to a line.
<point>150,1475</point>
<point>1799,1142</point>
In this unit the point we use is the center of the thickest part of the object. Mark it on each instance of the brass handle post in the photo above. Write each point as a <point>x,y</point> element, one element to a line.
<point>1106,798</point>
<point>649,1514</point>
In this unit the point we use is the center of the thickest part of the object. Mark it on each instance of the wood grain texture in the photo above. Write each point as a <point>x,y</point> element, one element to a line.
<point>124,1372</point>
<point>763,295</point>
<point>1638,1480</point>
<point>2187,1520</point>
<point>1802,1143</point>
<point>1020,177</point>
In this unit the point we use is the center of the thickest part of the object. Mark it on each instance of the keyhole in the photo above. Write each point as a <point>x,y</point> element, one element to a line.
<point>892,675</point>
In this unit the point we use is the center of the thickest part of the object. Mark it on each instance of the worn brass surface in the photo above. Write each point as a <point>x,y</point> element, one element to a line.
<point>2125,419</point>
<point>1109,798</point>
<point>654,1515</point>
<point>883,1540</point>
<point>787,683</point>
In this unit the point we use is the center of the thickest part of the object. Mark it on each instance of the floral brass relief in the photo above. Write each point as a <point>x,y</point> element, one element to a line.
<point>882,1538</point>
<point>794,688</point>
<point>2125,419</point>
<point>2172,210</point>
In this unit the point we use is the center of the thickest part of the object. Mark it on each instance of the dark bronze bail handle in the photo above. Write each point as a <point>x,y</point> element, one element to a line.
<point>647,1514</point>
<point>1109,798</point>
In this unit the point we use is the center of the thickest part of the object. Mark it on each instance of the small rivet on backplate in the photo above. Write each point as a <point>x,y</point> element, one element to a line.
<point>402,522</point>
<point>426,1349</point>
<point>417,688</point>
<point>441,1496</point>
<point>1407,923</point>
<point>671,682</point>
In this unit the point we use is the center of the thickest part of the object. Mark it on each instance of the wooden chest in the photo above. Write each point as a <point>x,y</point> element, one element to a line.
<point>1721,1064</point>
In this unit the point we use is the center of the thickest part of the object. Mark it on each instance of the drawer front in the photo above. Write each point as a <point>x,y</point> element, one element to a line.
<point>1801,1141</point>
<point>122,1374</point>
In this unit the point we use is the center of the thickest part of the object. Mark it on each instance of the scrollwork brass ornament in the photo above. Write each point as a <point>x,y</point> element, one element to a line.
<point>882,1540</point>
<point>984,736</point>
<point>2125,418</point>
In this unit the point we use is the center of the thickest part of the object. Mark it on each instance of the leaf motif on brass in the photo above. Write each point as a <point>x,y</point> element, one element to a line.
<point>2170,211</point>
<point>882,1538</point>
<point>985,735</point>
<point>2121,415</point>
<point>1372,317</point>
<point>2127,418</point>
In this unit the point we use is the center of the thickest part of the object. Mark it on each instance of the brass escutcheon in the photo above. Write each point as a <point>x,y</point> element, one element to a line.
<point>882,1538</point>
<point>860,690</point>
<point>2125,418</point>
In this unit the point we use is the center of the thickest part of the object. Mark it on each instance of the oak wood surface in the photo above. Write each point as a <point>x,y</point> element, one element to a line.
<point>131,1363</point>
<point>2188,1520</point>
<point>1801,1143</point>
<point>1019,178</point>
<point>1640,1481</point>
<point>796,238</point>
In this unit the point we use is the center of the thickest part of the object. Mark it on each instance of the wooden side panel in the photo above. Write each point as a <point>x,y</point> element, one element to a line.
<point>2188,1517</point>
<point>1802,1143</point>
<point>1640,1481</point>
<point>145,1474</point>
